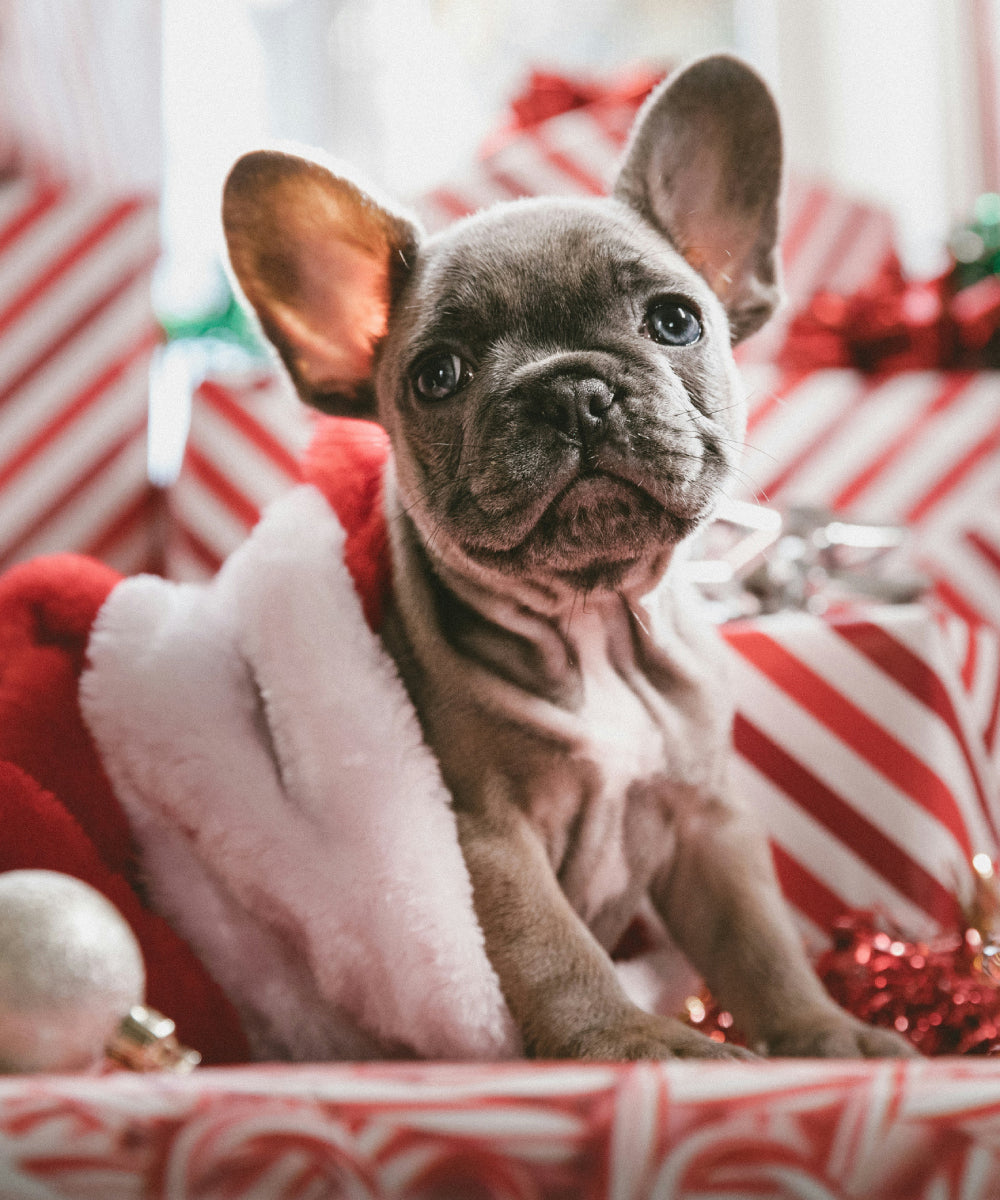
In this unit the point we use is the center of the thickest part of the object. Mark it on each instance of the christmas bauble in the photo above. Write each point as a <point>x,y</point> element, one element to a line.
<point>70,969</point>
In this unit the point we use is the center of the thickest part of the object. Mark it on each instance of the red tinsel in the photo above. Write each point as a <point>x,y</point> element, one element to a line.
<point>942,995</point>
<point>939,994</point>
<point>898,324</point>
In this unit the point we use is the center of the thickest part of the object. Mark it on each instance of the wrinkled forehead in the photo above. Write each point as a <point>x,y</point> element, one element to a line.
<point>539,263</point>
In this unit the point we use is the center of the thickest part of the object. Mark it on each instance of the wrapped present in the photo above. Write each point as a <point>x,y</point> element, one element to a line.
<point>248,429</point>
<point>857,743</point>
<point>77,332</point>
<point>920,449</point>
<point>79,237</point>
<point>870,1131</point>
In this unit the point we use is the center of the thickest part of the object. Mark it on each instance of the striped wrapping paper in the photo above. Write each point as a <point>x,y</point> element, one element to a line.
<point>977,649</point>
<point>860,741</point>
<point>916,1130</point>
<point>77,332</point>
<point>919,449</point>
<point>247,432</point>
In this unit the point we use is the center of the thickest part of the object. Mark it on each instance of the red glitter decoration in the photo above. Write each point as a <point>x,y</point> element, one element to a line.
<point>943,995</point>
<point>939,994</point>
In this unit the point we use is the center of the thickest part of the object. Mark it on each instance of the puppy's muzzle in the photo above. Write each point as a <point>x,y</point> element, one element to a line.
<point>572,394</point>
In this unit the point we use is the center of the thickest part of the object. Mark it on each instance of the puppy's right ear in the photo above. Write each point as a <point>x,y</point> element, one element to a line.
<point>320,262</point>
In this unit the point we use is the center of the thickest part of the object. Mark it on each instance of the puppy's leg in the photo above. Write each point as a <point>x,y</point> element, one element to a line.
<point>721,901</point>
<point>559,982</point>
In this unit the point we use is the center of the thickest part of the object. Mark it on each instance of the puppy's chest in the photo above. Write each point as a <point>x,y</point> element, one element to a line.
<point>624,728</point>
<point>643,750</point>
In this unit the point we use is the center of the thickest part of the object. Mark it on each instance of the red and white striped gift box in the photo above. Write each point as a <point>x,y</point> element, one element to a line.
<point>541,1131</point>
<point>918,448</point>
<point>859,742</point>
<point>977,649</point>
<point>77,332</point>
<point>247,432</point>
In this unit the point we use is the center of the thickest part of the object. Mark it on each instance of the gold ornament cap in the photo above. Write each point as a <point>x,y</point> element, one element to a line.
<point>145,1040</point>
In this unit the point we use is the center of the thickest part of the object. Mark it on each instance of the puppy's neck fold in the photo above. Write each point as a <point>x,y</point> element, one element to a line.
<point>537,635</point>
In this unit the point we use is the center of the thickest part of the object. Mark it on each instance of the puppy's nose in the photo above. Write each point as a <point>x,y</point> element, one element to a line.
<point>578,407</point>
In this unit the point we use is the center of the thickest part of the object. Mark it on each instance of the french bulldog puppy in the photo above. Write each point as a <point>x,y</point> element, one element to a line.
<point>557,381</point>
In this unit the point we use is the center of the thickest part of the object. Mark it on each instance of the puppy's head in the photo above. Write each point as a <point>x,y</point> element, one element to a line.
<point>556,375</point>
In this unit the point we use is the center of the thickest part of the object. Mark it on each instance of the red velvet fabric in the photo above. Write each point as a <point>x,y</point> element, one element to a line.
<point>346,461</point>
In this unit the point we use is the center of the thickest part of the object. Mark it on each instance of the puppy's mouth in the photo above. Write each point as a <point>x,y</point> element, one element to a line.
<point>597,503</point>
<point>590,532</point>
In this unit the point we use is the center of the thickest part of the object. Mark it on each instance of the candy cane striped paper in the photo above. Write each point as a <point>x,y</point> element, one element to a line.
<point>857,743</point>
<point>977,649</point>
<point>247,432</point>
<point>76,335</point>
<point>915,1130</point>
<point>917,448</point>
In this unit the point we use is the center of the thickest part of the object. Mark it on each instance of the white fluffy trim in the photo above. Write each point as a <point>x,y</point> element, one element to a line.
<point>292,823</point>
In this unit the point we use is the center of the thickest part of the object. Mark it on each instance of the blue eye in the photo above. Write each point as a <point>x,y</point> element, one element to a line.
<point>440,376</point>
<point>671,323</point>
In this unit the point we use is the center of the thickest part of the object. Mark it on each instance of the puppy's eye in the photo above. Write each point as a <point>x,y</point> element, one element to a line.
<point>441,376</point>
<point>672,323</point>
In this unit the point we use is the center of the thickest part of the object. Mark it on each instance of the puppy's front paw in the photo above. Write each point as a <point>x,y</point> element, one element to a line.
<point>644,1036</point>
<point>838,1036</point>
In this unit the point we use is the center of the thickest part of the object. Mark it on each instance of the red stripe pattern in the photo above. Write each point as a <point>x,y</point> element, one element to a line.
<point>77,332</point>
<point>920,449</point>
<point>247,432</point>
<point>860,746</point>
<point>542,1131</point>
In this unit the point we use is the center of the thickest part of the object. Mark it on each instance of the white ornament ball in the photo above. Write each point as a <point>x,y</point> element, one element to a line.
<point>70,969</point>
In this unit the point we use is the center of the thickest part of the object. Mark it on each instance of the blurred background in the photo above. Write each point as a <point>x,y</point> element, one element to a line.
<point>894,101</point>
<point>142,422</point>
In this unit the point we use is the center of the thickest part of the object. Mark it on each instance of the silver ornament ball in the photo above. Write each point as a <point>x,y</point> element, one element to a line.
<point>70,969</point>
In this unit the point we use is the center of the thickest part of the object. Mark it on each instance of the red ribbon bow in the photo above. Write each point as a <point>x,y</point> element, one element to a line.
<point>895,324</point>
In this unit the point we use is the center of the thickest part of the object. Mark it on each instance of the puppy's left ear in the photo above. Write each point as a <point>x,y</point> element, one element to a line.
<point>704,167</point>
<point>321,263</point>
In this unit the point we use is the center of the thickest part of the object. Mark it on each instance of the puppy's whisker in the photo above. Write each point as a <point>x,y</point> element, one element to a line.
<point>635,616</point>
<point>750,448</point>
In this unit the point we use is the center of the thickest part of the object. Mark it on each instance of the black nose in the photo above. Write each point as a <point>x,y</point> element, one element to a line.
<point>578,407</point>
